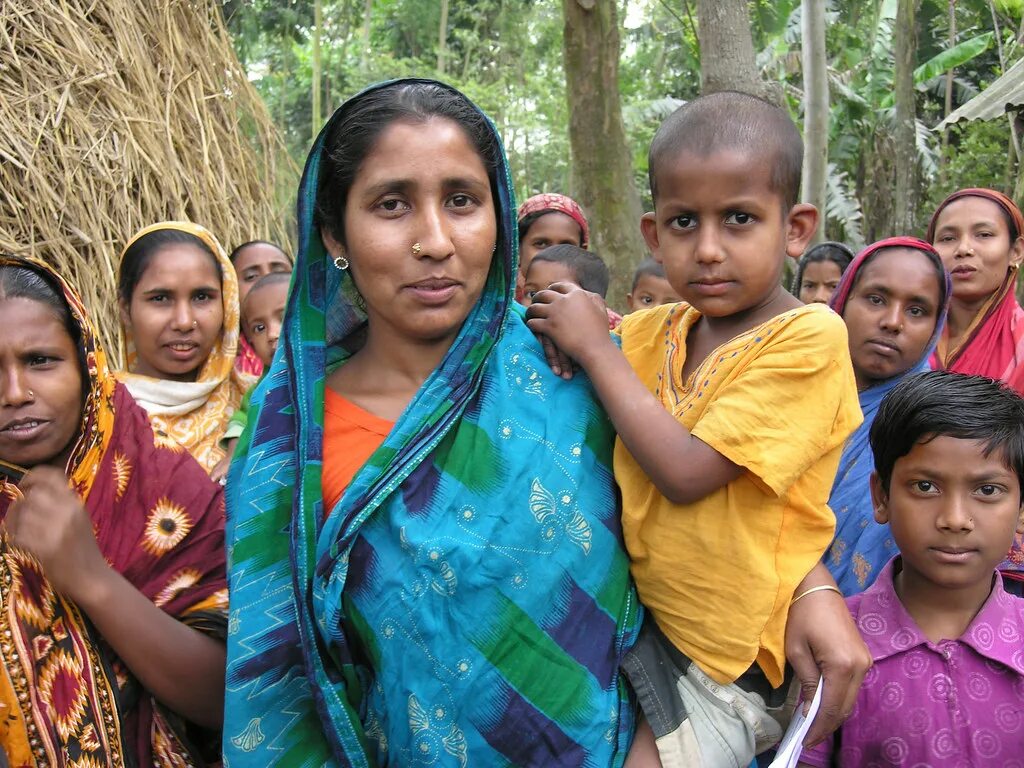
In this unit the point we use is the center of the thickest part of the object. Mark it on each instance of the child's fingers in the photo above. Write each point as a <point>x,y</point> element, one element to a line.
<point>552,355</point>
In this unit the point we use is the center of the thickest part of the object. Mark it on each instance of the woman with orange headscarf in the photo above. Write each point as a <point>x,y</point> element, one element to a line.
<point>178,297</point>
<point>979,233</point>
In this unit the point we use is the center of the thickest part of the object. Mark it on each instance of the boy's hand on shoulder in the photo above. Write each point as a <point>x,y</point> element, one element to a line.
<point>574,320</point>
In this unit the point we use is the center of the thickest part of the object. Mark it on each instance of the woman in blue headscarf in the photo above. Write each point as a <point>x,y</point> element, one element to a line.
<point>426,563</point>
<point>893,298</point>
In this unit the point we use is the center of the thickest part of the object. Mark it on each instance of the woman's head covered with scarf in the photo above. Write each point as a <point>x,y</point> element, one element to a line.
<point>979,233</point>
<point>894,298</point>
<point>309,579</point>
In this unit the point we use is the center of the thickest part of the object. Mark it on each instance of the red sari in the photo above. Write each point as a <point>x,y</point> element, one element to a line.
<point>66,698</point>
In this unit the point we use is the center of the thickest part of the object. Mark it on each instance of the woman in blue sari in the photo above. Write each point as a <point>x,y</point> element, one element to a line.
<point>425,556</point>
<point>894,298</point>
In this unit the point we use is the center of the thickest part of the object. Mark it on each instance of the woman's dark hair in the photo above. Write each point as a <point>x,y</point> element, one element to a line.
<point>234,254</point>
<point>139,255</point>
<point>944,404</point>
<point>23,281</point>
<point>355,132</point>
<point>837,253</point>
<point>933,259</point>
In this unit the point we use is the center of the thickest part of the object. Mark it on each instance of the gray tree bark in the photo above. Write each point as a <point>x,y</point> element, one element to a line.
<point>905,204</point>
<point>727,59</point>
<point>602,166</point>
<point>816,109</point>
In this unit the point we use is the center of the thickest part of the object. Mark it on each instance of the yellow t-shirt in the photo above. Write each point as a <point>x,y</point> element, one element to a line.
<point>718,575</point>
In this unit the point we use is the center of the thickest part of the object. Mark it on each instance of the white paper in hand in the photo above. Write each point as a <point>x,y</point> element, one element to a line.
<point>792,743</point>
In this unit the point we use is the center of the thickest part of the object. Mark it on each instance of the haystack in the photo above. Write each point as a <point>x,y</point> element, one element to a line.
<point>115,114</point>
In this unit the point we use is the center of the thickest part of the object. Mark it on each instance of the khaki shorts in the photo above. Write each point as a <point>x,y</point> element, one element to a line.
<point>697,722</point>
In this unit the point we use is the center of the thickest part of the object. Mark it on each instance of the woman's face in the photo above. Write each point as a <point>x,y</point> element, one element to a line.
<point>176,313</point>
<point>891,313</point>
<point>819,281</point>
<point>420,230</point>
<point>973,239</point>
<point>256,261</point>
<point>40,385</point>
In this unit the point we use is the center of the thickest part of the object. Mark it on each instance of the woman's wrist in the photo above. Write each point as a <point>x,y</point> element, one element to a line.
<point>95,587</point>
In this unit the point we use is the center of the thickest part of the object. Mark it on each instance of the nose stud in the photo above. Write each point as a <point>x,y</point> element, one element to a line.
<point>195,323</point>
<point>416,248</point>
<point>31,395</point>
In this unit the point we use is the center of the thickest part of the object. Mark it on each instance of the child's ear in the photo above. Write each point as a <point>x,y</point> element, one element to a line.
<point>649,229</point>
<point>879,499</point>
<point>801,224</point>
<point>1020,518</point>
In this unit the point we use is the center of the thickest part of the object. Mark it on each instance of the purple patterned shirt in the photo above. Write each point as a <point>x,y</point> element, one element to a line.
<point>953,703</point>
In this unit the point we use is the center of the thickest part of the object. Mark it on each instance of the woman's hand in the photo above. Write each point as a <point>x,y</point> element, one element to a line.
<point>570,321</point>
<point>822,640</point>
<point>52,524</point>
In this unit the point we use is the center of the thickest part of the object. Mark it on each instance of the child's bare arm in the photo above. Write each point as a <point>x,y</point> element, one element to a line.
<point>683,468</point>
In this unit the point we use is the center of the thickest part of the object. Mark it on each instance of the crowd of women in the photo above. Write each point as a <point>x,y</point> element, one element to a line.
<point>376,571</point>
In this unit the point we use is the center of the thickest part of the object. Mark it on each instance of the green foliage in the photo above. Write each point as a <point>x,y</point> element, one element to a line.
<point>507,55</point>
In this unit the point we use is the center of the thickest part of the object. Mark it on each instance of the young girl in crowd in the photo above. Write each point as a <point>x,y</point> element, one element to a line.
<point>819,272</point>
<point>980,235</point>
<point>945,637</point>
<point>893,299</point>
<point>566,264</point>
<point>262,317</point>
<point>113,598</point>
<point>252,261</point>
<point>178,300</point>
<point>650,287</point>
<point>731,409</point>
<point>545,220</point>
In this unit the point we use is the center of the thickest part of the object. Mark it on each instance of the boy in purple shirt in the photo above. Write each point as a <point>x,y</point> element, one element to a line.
<point>947,686</point>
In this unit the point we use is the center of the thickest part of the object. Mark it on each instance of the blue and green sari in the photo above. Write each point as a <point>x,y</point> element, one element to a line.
<point>467,601</point>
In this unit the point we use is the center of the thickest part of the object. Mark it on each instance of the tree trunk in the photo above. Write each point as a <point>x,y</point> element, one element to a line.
<point>364,54</point>
<point>904,215</point>
<point>948,106</point>
<point>727,60</point>
<point>318,23</point>
<point>442,39</point>
<point>602,165</point>
<point>816,109</point>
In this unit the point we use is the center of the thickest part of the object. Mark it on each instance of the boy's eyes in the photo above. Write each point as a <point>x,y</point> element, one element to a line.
<point>925,486</point>
<point>738,217</point>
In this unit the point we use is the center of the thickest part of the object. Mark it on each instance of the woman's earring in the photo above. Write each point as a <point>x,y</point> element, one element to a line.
<point>340,262</point>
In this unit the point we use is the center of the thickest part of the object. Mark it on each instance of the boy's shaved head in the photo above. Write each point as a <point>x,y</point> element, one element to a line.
<point>730,121</point>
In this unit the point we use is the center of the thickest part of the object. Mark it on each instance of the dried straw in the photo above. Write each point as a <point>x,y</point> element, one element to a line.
<point>115,114</point>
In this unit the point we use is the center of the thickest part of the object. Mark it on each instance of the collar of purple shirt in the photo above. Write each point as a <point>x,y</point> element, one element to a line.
<point>997,632</point>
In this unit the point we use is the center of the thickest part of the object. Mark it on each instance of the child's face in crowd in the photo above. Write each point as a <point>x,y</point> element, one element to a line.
<point>264,314</point>
<point>543,273</point>
<point>256,261</point>
<point>553,228</point>
<point>973,239</point>
<point>819,282</point>
<point>953,511</point>
<point>651,291</point>
<point>891,314</point>
<point>720,230</point>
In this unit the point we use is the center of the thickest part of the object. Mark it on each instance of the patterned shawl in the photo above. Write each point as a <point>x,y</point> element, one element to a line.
<point>994,345</point>
<point>861,546</point>
<point>195,413</point>
<point>68,700</point>
<point>467,601</point>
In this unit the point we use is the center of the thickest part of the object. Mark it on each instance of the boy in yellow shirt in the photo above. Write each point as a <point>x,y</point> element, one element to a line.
<point>731,409</point>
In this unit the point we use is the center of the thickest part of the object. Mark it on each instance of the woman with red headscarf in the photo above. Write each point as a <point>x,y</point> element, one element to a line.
<point>978,234</point>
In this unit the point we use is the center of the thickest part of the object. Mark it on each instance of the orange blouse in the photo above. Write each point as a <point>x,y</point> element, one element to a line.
<point>351,435</point>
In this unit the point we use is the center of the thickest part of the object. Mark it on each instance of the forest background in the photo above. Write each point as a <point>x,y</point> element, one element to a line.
<point>578,87</point>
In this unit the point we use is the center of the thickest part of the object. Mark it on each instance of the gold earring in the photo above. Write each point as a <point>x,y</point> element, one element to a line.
<point>416,248</point>
<point>340,262</point>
